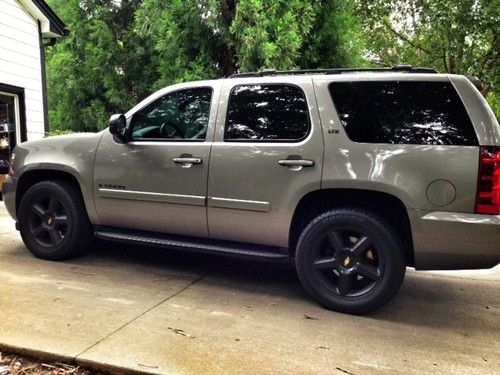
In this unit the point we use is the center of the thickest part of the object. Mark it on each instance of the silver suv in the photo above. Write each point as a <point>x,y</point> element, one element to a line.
<point>351,174</point>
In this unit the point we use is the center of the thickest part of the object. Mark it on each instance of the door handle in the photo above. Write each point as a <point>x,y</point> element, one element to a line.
<point>187,160</point>
<point>296,162</point>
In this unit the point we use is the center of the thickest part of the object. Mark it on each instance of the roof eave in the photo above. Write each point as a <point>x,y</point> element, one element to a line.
<point>51,25</point>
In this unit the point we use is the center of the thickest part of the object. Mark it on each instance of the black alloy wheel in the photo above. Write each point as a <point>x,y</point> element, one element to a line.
<point>48,221</point>
<point>53,220</point>
<point>350,260</point>
<point>348,263</point>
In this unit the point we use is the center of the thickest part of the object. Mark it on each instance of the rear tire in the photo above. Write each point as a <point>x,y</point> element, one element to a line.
<point>350,261</point>
<point>53,221</point>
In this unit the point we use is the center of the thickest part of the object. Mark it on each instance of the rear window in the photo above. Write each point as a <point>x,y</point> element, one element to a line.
<point>403,112</point>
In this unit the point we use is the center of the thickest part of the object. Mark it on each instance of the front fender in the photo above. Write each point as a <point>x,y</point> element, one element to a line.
<point>73,155</point>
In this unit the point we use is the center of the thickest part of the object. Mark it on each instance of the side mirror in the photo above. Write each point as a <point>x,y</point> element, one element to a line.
<point>117,127</point>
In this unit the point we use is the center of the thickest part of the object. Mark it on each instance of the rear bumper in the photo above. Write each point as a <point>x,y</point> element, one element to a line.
<point>448,240</point>
<point>9,196</point>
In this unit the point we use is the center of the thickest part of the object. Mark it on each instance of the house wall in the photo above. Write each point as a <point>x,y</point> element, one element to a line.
<point>20,61</point>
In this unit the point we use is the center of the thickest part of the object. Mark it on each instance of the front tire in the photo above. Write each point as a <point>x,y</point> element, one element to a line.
<point>53,220</point>
<point>350,261</point>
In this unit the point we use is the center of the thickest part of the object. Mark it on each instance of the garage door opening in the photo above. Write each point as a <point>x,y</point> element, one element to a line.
<point>12,127</point>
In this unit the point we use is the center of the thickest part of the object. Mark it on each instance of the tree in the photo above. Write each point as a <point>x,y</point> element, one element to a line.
<point>454,36</point>
<point>120,51</point>
<point>102,67</point>
<point>216,38</point>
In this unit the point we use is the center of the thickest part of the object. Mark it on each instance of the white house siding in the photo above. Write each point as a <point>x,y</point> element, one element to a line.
<point>20,61</point>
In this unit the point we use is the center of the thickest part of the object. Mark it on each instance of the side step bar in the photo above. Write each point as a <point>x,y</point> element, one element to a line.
<point>195,244</point>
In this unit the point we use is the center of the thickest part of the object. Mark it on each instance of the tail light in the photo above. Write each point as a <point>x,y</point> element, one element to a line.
<point>488,190</point>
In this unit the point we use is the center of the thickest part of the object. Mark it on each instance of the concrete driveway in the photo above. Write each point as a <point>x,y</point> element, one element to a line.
<point>155,311</point>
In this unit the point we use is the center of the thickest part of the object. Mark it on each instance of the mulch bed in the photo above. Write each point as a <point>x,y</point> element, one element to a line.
<point>12,364</point>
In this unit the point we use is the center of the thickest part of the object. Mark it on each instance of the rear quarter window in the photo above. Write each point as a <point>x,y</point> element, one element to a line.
<point>403,112</point>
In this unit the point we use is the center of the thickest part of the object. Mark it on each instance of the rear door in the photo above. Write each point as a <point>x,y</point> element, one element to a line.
<point>267,154</point>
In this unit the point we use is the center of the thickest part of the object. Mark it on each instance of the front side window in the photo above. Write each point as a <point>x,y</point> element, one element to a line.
<point>403,112</point>
<point>267,113</point>
<point>179,115</point>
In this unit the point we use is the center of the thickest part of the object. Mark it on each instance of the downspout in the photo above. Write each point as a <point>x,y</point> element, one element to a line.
<point>44,79</point>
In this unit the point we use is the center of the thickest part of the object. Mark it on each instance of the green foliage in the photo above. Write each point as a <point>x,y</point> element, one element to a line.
<point>183,41</point>
<point>119,52</point>
<point>337,40</point>
<point>56,132</point>
<point>271,34</point>
<point>453,36</point>
<point>102,67</point>
<point>493,98</point>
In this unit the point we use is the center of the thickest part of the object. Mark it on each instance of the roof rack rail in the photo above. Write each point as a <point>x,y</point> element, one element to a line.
<point>273,72</point>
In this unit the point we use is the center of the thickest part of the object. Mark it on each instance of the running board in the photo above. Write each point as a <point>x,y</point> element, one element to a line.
<point>195,244</point>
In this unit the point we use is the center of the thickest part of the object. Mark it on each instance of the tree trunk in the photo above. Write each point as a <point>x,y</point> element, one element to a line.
<point>228,63</point>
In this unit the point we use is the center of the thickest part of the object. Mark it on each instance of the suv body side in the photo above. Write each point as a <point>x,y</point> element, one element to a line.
<point>444,236</point>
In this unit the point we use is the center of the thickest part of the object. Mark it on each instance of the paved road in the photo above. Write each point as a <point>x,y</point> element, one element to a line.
<point>156,311</point>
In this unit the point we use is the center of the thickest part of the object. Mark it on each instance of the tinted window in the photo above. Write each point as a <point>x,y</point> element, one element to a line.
<point>428,113</point>
<point>180,115</point>
<point>267,113</point>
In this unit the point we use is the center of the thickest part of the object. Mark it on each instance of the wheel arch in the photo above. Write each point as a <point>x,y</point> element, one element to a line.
<point>389,207</point>
<point>30,177</point>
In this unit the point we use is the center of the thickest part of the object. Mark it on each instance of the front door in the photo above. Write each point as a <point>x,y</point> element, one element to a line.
<point>158,180</point>
<point>267,154</point>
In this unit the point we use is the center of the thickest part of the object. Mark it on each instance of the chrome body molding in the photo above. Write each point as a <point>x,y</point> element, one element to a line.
<point>239,204</point>
<point>152,197</point>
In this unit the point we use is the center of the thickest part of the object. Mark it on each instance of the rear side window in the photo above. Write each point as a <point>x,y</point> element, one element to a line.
<point>403,112</point>
<point>267,113</point>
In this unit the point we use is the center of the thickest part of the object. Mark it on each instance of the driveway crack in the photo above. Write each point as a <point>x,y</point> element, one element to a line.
<point>141,314</point>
